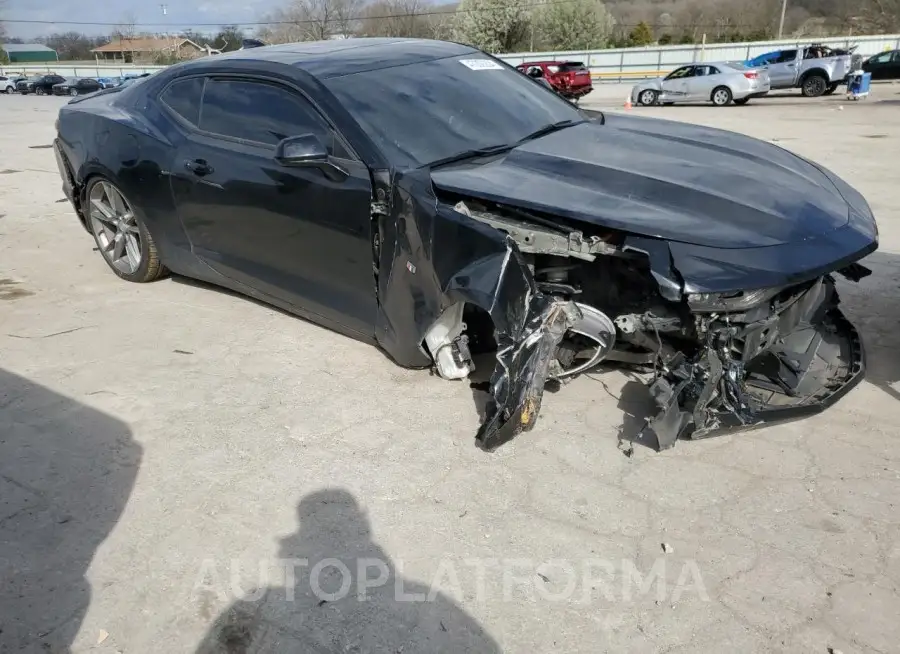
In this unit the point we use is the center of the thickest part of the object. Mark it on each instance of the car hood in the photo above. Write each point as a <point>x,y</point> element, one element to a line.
<point>663,179</point>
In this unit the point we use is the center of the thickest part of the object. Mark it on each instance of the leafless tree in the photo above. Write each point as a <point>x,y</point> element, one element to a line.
<point>2,25</point>
<point>311,20</point>
<point>125,32</point>
<point>402,18</point>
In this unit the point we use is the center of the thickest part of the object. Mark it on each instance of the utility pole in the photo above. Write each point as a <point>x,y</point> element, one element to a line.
<point>781,22</point>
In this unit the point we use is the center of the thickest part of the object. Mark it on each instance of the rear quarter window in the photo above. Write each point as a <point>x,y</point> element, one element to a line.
<point>183,97</point>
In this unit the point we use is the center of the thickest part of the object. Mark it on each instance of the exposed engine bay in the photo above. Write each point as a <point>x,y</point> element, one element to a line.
<point>715,361</point>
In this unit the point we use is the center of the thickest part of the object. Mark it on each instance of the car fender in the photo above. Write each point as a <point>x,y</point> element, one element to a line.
<point>431,258</point>
<point>818,70</point>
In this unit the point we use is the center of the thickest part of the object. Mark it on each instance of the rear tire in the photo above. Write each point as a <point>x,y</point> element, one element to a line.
<point>647,97</point>
<point>118,221</point>
<point>742,101</point>
<point>721,96</point>
<point>814,86</point>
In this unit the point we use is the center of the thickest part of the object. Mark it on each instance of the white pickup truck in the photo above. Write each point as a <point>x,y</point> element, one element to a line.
<point>815,69</point>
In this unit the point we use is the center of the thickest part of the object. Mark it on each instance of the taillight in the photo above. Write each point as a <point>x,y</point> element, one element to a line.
<point>751,75</point>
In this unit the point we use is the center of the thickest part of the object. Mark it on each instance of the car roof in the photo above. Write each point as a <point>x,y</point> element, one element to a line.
<point>338,57</point>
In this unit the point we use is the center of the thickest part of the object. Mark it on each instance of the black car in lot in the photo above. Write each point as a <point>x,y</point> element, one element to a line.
<point>885,65</point>
<point>42,85</point>
<point>429,199</point>
<point>77,86</point>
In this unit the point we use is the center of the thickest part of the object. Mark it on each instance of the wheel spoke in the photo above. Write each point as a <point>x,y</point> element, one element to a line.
<point>106,213</point>
<point>118,246</point>
<point>115,200</point>
<point>133,250</point>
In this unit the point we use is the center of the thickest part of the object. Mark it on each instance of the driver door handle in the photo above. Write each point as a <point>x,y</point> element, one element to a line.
<point>199,167</point>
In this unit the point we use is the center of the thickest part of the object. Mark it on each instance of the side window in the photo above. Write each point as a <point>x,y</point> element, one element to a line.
<point>786,56</point>
<point>712,70</point>
<point>183,97</point>
<point>896,58</point>
<point>883,58</point>
<point>258,111</point>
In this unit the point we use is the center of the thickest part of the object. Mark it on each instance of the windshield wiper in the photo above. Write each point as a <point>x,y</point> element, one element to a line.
<point>471,154</point>
<point>547,129</point>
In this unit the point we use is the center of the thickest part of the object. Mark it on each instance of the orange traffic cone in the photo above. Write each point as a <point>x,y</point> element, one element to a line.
<point>628,102</point>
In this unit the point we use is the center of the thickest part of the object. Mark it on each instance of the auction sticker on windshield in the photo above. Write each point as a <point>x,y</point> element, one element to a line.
<point>481,64</point>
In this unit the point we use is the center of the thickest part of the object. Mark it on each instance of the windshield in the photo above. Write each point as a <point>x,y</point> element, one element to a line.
<point>423,112</point>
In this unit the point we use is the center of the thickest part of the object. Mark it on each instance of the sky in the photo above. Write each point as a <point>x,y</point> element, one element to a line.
<point>180,14</point>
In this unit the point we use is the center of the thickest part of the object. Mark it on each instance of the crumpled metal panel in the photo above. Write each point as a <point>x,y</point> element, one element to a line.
<point>523,365</point>
<point>432,257</point>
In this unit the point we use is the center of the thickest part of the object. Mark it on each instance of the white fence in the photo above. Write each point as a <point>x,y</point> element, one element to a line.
<point>625,64</point>
<point>615,65</point>
<point>77,69</point>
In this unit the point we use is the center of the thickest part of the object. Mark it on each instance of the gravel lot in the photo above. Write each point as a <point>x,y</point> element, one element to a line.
<point>166,448</point>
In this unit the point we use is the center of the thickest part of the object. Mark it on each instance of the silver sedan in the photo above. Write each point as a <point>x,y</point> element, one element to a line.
<point>720,83</point>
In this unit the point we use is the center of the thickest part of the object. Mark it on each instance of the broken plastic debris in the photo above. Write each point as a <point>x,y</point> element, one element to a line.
<point>103,635</point>
<point>668,549</point>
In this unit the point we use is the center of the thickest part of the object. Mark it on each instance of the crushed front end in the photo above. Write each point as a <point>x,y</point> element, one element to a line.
<point>776,354</point>
<point>716,360</point>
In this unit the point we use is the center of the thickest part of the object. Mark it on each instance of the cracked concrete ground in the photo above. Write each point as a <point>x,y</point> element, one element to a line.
<point>165,448</point>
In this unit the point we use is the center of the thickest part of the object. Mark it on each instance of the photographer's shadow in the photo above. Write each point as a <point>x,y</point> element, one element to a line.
<point>323,610</point>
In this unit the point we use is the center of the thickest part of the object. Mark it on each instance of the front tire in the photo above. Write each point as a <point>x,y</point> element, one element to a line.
<point>721,96</point>
<point>814,86</point>
<point>73,91</point>
<point>39,91</point>
<point>121,236</point>
<point>647,97</point>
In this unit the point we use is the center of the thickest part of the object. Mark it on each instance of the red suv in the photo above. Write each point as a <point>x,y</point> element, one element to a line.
<point>571,79</point>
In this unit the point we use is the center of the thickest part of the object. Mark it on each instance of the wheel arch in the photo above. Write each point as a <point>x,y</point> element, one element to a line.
<point>815,71</point>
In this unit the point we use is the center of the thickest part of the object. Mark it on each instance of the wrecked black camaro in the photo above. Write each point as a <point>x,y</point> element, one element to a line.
<point>432,200</point>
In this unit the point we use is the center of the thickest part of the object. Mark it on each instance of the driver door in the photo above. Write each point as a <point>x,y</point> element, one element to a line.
<point>675,85</point>
<point>294,234</point>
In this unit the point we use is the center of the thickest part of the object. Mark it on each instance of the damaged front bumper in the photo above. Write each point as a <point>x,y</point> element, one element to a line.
<point>524,363</point>
<point>793,364</point>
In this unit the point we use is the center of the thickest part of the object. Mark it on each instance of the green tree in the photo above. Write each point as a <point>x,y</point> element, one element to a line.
<point>640,35</point>
<point>665,39</point>
<point>576,25</point>
<point>493,25</point>
<point>229,38</point>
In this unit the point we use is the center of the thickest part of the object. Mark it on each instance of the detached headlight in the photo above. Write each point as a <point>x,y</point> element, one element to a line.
<point>740,301</point>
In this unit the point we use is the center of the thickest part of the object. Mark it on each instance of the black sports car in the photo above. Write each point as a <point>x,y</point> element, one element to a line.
<point>77,86</point>
<point>428,198</point>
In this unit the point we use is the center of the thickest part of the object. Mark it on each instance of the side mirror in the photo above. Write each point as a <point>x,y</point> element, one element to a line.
<point>308,151</point>
<point>303,150</point>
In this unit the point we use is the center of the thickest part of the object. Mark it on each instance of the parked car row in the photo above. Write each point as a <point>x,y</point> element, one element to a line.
<point>52,84</point>
<point>815,70</point>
